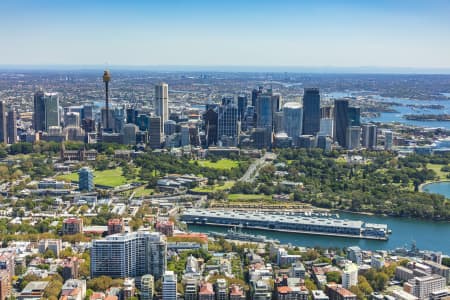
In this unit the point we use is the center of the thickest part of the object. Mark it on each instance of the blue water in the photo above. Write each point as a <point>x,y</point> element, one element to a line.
<point>442,188</point>
<point>403,110</point>
<point>427,234</point>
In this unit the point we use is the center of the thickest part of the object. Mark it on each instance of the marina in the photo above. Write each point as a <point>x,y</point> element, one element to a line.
<point>288,223</point>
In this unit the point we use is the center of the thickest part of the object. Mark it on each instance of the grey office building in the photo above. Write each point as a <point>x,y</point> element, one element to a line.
<point>341,121</point>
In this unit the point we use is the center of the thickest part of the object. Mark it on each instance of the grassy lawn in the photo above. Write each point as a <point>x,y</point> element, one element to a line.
<point>437,168</point>
<point>250,197</point>
<point>222,164</point>
<point>112,177</point>
<point>142,191</point>
<point>209,189</point>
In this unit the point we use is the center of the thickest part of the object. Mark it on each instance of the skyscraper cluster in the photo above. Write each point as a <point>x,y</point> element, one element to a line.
<point>258,120</point>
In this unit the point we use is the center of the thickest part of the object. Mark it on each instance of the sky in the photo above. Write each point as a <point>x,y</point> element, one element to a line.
<point>309,33</point>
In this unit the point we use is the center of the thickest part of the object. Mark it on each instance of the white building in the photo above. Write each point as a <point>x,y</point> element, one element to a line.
<point>147,287</point>
<point>422,287</point>
<point>350,276</point>
<point>169,286</point>
<point>129,255</point>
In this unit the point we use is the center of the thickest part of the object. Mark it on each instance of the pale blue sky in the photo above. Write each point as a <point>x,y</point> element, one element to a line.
<point>382,33</point>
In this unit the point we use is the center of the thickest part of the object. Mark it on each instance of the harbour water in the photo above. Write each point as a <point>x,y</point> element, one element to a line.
<point>389,117</point>
<point>426,234</point>
<point>442,188</point>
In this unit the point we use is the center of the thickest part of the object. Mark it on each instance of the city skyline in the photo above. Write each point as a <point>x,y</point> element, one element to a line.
<point>386,35</point>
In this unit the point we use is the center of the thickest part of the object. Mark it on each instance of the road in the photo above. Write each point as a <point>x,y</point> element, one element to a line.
<point>253,169</point>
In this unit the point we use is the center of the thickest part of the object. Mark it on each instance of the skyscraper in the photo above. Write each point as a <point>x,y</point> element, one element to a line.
<point>3,123</point>
<point>52,116</point>
<point>341,121</point>
<point>350,276</point>
<point>293,119</point>
<point>242,106</point>
<point>169,286</point>
<point>369,136</point>
<point>210,119</point>
<point>39,111</point>
<point>311,111</point>
<point>106,79</point>
<point>129,255</point>
<point>264,111</point>
<point>353,137</point>
<point>162,101</point>
<point>129,134</point>
<point>255,95</point>
<point>388,139</point>
<point>354,116</point>
<point>155,132</point>
<point>12,127</point>
<point>228,124</point>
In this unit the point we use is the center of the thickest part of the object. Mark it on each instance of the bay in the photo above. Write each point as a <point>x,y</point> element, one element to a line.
<point>441,188</point>
<point>427,235</point>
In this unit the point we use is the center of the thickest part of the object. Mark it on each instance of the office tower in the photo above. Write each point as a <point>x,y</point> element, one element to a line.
<point>147,287</point>
<point>52,116</point>
<point>12,127</point>
<point>132,115</point>
<point>277,101</point>
<point>326,112</point>
<point>210,119</point>
<point>255,95</point>
<point>353,136</point>
<point>311,111</point>
<point>341,121</point>
<point>350,276</point>
<point>3,123</point>
<point>170,127</point>
<point>369,136</point>
<point>227,123</point>
<point>162,101</point>
<point>155,132</point>
<point>326,126</point>
<point>129,134</point>
<point>227,100</point>
<point>72,119</point>
<point>39,111</point>
<point>264,113</point>
<point>388,140</point>
<point>249,121</point>
<point>307,141</point>
<point>85,179</point>
<point>278,123</point>
<point>169,286</point>
<point>242,106</point>
<point>88,112</point>
<point>354,116</point>
<point>129,255</point>
<point>293,119</point>
<point>221,287</point>
<point>324,142</point>
<point>106,79</point>
<point>185,136</point>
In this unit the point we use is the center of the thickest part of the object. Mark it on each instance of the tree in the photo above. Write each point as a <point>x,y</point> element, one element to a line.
<point>101,283</point>
<point>334,276</point>
<point>359,294</point>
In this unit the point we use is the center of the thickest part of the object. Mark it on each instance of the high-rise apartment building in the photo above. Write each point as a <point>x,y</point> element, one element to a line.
<point>169,286</point>
<point>422,287</point>
<point>162,101</point>
<point>388,139</point>
<point>350,276</point>
<point>147,287</point>
<point>129,255</point>
<point>353,136</point>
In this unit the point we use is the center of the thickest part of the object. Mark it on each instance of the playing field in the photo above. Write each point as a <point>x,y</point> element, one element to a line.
<point>222,164</point>
<point>112,177</point>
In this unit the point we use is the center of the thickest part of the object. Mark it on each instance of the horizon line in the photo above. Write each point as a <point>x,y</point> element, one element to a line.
<point>237,68</point>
